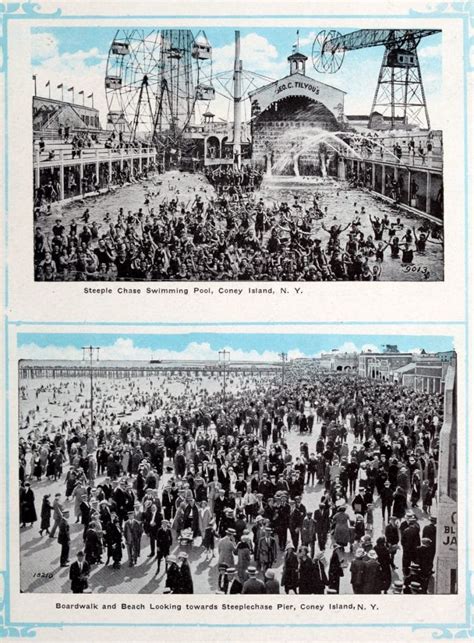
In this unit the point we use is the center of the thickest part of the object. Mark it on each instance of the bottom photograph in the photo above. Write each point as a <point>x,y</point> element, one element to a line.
<point>237,463</point>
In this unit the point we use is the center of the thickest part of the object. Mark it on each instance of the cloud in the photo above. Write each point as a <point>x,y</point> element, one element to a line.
<point>308,39</point>
<point>432,51</point>
<point>43,46</point>
<point>124,349</point>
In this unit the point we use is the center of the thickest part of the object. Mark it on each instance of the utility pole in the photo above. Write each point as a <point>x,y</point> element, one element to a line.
<point>236,148</point>
<point>88,352</point>
<point>284,359</point>
<point>224,356</point>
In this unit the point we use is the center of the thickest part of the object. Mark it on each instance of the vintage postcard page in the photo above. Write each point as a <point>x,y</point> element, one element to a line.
<point>236,386</point>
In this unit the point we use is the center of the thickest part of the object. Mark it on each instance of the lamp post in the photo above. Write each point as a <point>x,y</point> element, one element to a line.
<point>88,352</point>
<point>224,356</point>
<point>284,359</point>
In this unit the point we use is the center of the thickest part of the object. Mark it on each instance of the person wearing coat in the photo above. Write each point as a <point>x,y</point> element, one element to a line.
<point>234,585</point>
<point>372,574</point>
<point>132,532</point>
<point>113,539</point>
<point>341,527</point>
<point>205,517</point>
<point>225,549</point>
<point>424,556</point>
<point>78,574</point>
<point>57,514</point>
<point>46,511</point>
<point>185,580</point>
<point>173,575</point>
<point>289,578</point>
<point>399,506</point>
<point>392,537</point>
<point>320,579</point>
<point>244,557</point>
<point>64,539</point>
<point>92,545</point>
<point>253,585</point>
<point>306,571</point>
<point>272,586</point>
<point>357,570</point>
<point>78,493</point>
<point>266,550</point>
<point>308,533</point>
<point>27,506</point>
<point>322,524</point>
<point>383,556</point>
<point>164,540</point>
<point>335,571</point>
<point>191,518</point>
<point>410,542</point>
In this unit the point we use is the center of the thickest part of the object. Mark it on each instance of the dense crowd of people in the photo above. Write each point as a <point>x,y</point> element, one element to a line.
<point>199,475</point>
<point>231,236</point>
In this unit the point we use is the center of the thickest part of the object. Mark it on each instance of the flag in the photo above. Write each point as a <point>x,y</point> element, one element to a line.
<point>81,92</point>
<point>60,86</point>
<point>34,76</point>
<point>70,89</point>
<point>47,84</point>
<point>90,96</point>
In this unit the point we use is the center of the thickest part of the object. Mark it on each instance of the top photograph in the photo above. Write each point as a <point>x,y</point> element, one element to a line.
<point>237,154</point>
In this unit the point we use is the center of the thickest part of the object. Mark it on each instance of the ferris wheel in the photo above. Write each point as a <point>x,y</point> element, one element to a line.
<point>154,81</point>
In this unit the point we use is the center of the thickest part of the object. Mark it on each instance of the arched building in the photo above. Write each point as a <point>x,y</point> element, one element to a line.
<point>283,111</point>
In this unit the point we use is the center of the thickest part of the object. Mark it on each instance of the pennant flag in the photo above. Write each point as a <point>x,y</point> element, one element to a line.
<point>70,89</point>
<point>60,86</point>
<point>47,84</point>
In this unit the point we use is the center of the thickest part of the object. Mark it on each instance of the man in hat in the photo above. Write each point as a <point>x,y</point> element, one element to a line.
<point>132,532</point>
<point>410,542</point>
<point>79,574</point>
<point>372,578</point>
<point>357,570</point>
<point>253,585</point>
<point>225,548</point>
<point>164,540</point>
<point>308,532</point>
<point>413,588</point>
<point>64,538</point>
<point>219,506</point>
<point>429,531</point>
<point>185,580</point>
<point>85,510</point>
<point>386,497</point>
<point>322,523</point>
<point>57,514</point>
<point>397,587</point>
<point>234,586</point>
<point>272,586</point>
<point>414,575</point>
<point>266,550</point>
<point>393,538</point>
<point>424,557</point>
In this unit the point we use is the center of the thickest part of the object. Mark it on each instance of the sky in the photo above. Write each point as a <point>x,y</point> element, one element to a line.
<point>78,56</point>
<point>205,346</point>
